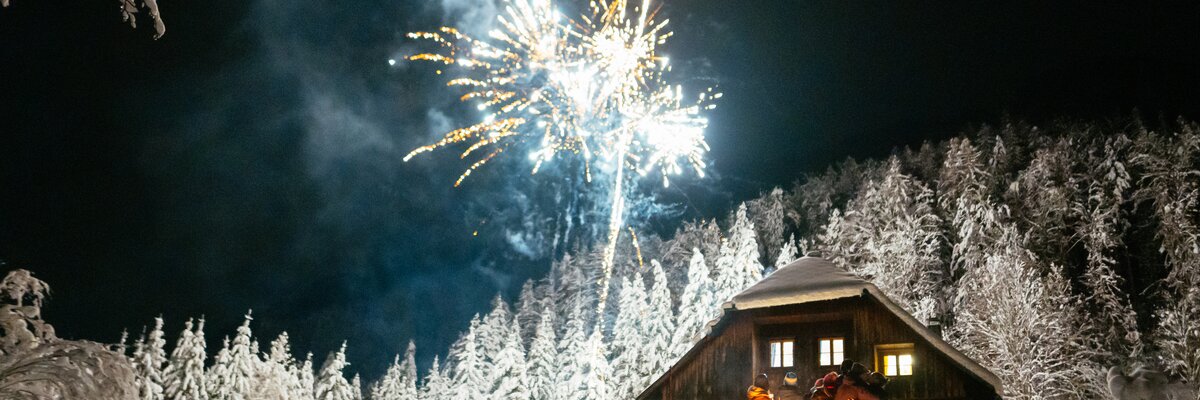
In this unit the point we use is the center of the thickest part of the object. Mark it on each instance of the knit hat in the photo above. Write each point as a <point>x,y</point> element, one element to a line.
<point>830,380</point>
<point>877,379</point>
<point>857,371</point>
<point>846,364</point>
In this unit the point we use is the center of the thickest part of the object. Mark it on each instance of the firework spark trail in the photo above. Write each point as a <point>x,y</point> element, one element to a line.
<point>551,86</point>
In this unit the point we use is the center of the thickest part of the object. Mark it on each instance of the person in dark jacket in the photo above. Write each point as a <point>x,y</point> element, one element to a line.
<point>854,385</point>
<point>789,390</point>
<point>877,385</point>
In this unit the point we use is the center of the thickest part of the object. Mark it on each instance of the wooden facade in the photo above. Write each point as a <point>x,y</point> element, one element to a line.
<point>737,347</point>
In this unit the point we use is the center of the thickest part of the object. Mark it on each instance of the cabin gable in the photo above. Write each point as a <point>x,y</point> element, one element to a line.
<point>788,337</point>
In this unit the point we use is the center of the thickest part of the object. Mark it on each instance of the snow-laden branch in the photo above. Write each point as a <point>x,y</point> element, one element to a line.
<point>129,10</point>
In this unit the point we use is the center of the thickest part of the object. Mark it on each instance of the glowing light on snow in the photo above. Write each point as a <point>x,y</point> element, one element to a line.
<point>551,86</point>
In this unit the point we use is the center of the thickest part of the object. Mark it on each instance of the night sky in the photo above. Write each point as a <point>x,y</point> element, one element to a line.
<point>250,159</point>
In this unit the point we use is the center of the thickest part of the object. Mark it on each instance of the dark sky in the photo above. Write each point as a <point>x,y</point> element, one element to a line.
<point>251,158</point>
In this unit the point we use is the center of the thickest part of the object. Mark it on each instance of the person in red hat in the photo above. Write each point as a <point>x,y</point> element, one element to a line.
<point>825,387</point>
<point>818,391</point>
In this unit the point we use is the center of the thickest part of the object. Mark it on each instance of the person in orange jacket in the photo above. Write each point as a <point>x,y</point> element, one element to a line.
<point>759,391</point>
<point>854,385</point>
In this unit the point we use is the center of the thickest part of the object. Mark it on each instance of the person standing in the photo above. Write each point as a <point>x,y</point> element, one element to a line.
<point>789,390</point>
<point>825,387</point>
<point>854,385</point>
<point>759,390</point>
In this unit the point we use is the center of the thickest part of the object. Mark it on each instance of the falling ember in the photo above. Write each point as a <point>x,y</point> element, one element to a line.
<point>547,86</point>
<point>637,246</point>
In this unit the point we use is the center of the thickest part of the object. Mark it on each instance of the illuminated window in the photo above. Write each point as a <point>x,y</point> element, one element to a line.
<point>782,353</point>
<point>833,351</point>
<point>894,359</point>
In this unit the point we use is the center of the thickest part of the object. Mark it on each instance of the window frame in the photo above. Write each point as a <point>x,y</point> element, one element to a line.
<point>784,360</point>
<point>896,350</point>
<point>833,361</point>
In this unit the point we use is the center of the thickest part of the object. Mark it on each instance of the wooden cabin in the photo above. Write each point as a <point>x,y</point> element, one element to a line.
<point>807,317</point>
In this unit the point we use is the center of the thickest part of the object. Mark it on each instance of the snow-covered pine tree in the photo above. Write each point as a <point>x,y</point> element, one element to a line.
<point>400,380</point>
<point>964,203</point>
<point>1170,180</point>
<point>243,363</point>
<point>509,380</point>
<point>1018,323</point>
<point>148,361</point>
<point>306,382</point>
<point>738,266</point>
<point>999,161</point>
<point>122,346</point>
<point>677,250</point>
<point>183,378</point>
<point>767,213</point>
<point>572,348</point>
<point>628,338</point>
<point>356,388</point>
<point>468,375</point>
<point>1114,327</point>
<point>696,306</point>
<point>570,285</point>
<point>658,327</point>
<point>331,383</point>
<point>812,202</point>
<point>1043,196</point>
<point>543,358</point>
<point>491,334</point>
<point>834,240</point>
<point>218,378</point>
<point>597,374</point>
<point>891,236</point>
<point>787,253</point>
<point>144,387</point>
<point>388,386</point>
<point>409,367</point>
<point>274,379</point>
<point>962,175</point>
<point>527,309</point>
<point>436,386</point>
<point>703,235</point>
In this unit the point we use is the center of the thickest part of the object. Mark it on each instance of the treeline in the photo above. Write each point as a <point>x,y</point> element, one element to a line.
<point>1046,254</point>
<point>549,344</point>
<point>1049,255</point>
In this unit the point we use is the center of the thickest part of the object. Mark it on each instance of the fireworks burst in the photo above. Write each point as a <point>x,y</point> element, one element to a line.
<point>590,88</point>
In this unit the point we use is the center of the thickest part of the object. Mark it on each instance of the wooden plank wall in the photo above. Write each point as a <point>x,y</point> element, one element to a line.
<point>935,375</point>
<point>932,378</point>
<point>721,371</point>
<point>805,332</point>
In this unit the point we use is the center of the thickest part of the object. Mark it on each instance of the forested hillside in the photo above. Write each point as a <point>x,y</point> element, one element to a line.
<point>1048,254</point>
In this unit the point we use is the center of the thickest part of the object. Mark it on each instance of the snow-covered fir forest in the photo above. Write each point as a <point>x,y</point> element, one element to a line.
<point>1048,254</point>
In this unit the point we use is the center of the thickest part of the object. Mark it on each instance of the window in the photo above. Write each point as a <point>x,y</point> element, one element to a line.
<point>894,359</point>
<point>833,351</point>
<point>782,353</point>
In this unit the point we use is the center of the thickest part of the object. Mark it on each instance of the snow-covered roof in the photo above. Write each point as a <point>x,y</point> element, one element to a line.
<point>811,279</point>
<point>805,280</point>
